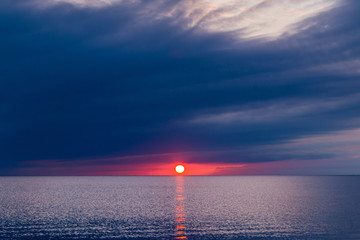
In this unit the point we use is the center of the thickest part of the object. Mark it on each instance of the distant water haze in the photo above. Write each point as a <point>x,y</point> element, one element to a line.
<point>180,207</point>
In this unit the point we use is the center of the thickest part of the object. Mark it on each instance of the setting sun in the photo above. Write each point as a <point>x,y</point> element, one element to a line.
<point>179,168</point>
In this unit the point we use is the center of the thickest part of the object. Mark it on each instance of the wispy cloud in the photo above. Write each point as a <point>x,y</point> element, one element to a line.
<point>266,19</point>
<point>277,111</point>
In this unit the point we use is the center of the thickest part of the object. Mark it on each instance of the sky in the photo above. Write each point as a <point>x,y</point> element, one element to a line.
<point>115,87</point>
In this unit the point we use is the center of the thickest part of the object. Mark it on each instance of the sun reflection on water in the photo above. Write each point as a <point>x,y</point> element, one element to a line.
<point>180,229</point>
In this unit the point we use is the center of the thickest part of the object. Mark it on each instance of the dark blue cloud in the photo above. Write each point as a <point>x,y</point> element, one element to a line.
<point>80,83</point>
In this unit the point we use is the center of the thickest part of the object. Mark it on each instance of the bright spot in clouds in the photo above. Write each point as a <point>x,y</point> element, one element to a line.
<point>266,19</point>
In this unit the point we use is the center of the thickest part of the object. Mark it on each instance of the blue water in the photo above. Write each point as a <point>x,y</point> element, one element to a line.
<point>182,207</point>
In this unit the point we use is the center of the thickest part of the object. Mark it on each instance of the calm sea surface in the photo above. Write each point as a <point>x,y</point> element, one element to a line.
<point>181,207</point>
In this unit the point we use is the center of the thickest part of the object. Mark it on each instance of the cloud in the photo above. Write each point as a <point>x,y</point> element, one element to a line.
<point>109,79</point>
<point>266,19</point>
<point>274,112</point>
<point>348,67</point>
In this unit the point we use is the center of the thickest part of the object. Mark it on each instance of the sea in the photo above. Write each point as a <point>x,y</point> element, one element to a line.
<point>180,207</point>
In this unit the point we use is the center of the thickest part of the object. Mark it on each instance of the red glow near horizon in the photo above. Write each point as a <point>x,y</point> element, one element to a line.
<point>189,169</point>
<point>78,168</point>
<point>92,168</point>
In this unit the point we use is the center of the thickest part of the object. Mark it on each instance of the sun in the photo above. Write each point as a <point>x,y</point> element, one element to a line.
<point>179,168</point>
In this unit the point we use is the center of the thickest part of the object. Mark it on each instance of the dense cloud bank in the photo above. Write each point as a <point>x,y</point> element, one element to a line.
<point>151,77</point>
